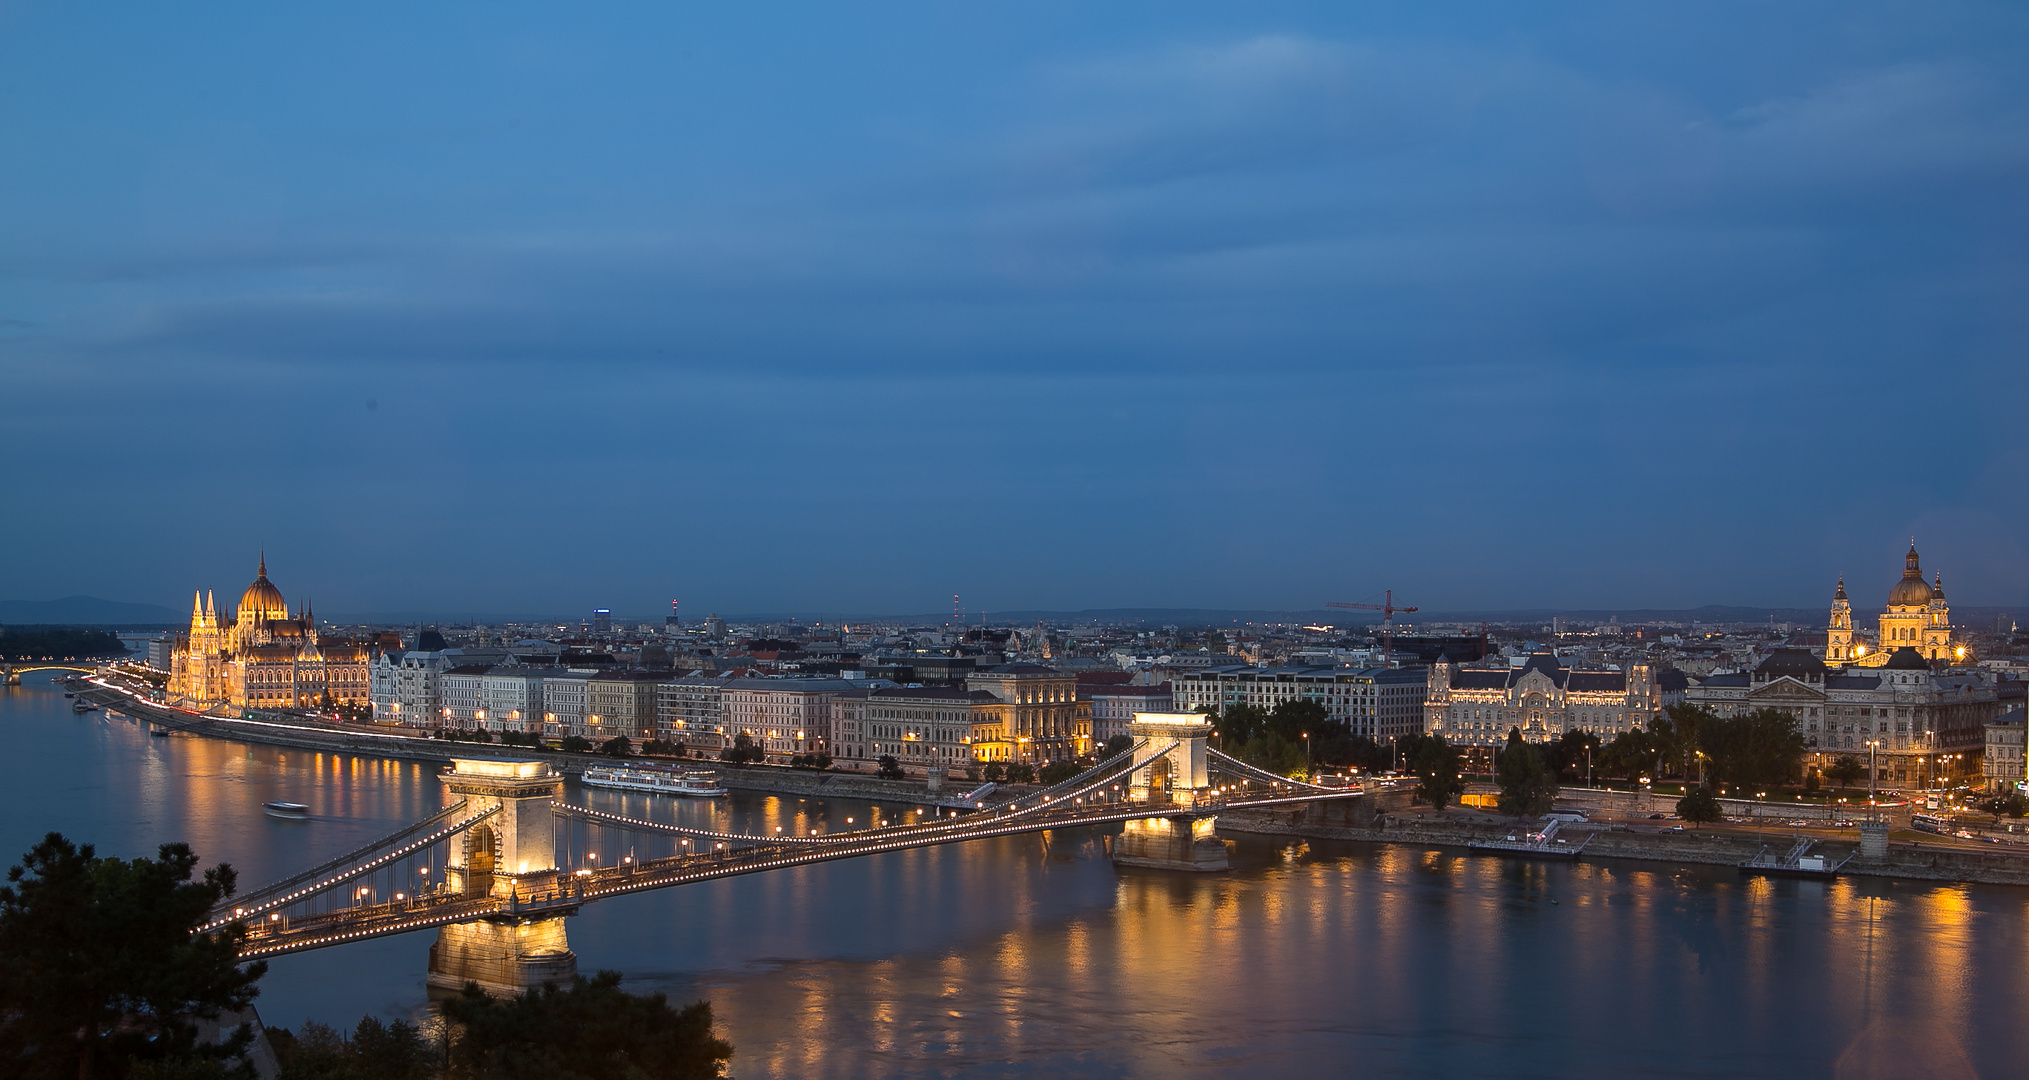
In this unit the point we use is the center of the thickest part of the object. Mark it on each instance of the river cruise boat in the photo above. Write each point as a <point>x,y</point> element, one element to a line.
<point>697,783</point>
<point>285,809</point>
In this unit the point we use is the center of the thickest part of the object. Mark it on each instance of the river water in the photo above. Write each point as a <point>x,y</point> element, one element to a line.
<point>1034,956</point>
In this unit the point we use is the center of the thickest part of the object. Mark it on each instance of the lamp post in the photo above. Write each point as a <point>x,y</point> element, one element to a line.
<point>1873,771</point>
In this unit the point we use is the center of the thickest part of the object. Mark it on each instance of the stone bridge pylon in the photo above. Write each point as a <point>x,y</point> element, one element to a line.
<point>510,855</point>
<point>1174,777</point>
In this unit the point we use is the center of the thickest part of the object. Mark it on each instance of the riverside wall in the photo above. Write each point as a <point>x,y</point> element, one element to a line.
<point>334,739</point>
<point>1378,822</point>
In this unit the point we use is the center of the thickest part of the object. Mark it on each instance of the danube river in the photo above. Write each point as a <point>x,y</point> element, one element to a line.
<point>1033,956</point>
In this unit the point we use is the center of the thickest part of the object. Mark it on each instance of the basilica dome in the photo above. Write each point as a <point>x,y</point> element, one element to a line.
<point>263,600</point>
<point>1912,590</point>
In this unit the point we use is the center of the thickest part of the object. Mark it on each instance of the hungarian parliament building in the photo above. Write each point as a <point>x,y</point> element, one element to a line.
<point>261,656</point>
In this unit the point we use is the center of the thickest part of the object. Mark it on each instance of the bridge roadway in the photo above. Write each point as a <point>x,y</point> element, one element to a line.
<point>562,892</point>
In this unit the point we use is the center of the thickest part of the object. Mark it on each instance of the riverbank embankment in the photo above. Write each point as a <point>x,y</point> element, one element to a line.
<point>1384,819</point>
<point>356,740</point>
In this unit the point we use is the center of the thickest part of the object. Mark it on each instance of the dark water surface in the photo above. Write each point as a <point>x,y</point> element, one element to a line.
<point>1033,956</point>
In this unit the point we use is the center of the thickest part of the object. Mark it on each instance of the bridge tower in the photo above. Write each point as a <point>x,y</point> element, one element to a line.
<point>508,856</point>
<point>1176,779</point>
<point>9,676</point>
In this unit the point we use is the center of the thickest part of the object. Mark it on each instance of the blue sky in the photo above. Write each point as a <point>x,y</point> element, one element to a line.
<point>851,307</point>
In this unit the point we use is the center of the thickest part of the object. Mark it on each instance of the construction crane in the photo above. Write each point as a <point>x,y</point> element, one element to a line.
<point>1387,609</point>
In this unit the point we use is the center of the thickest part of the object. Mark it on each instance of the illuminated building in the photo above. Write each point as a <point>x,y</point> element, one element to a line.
<point>1916,722</point>
<point>1472,706</point>
<point>1916,617</point>
<point>264,657</point>
<point>1041,721</point>
<point>2001,766</point>
<point>1379,703</point>
<point>920,726</point>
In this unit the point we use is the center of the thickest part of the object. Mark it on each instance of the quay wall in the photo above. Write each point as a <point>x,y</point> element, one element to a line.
<point>772,779</point>
<point>1351,821</point>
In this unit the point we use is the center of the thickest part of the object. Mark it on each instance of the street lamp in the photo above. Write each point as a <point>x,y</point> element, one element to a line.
<point>1873,768</point>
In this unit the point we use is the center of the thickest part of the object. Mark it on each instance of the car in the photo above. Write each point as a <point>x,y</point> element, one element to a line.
<point>1674,828</point>
<point>1656,817</point>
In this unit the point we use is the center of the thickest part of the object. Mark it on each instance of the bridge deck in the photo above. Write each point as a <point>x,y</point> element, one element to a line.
<point>563,892</point>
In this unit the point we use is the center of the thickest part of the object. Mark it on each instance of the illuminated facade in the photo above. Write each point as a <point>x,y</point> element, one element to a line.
<point>1915,723</point>
<point>264,657</point>
<point>1479,706</point>
<point>1916,617</point>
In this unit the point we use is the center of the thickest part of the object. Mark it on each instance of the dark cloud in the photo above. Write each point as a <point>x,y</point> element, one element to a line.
<point>1515,314</point>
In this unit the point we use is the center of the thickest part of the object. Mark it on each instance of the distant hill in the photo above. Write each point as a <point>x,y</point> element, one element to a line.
<point>87,611</point>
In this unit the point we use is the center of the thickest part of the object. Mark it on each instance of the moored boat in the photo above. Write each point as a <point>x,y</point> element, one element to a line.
<point>696,783</point>
<point>83,706</point>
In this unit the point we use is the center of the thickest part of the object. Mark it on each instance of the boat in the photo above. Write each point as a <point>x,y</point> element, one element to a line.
<point>285,809</point>
<point>698,783</point>
<point>83,707</point>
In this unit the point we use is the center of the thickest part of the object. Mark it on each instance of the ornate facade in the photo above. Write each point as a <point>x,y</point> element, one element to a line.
<point>1478,706</point>
<point>1914,723</point>
<point>1916,617</point>
<point>263,657</point>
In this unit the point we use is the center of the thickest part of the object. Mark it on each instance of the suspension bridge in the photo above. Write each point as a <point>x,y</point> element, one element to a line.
<point>492,872</point>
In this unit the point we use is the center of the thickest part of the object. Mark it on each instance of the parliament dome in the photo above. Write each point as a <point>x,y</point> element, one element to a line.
<point>263,600</point>
<point>1912,590</point>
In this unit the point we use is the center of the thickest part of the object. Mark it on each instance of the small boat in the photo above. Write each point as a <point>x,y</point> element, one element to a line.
<point>83,707</point>
<point>697,783</point>
<point>285,809</point>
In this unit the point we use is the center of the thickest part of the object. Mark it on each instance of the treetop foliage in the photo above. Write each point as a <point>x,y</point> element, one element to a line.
<point>100,967</point>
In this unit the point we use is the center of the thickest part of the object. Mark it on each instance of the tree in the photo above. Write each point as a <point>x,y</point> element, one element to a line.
<point>100,964</point>
<point>590,1030</point>
<point>575,744</point>
<point>743,751</point>
<point>2008,804</point>
<point>1846,771</point>
<point>618,746</point>
<point>1021,772</point>
<point>376,1051</point>
<point>1699,806</point>
<point>1115,745</point>
<point>1435,763</point>
<point>1528,786</point>
<point>1056,772</point>
<point>1571,752</point>
<point>1761,749</point>
<point>889,768</point>
<point>994,772</point>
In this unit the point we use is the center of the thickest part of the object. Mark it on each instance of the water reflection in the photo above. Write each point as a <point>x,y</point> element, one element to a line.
<point>1033,956</point>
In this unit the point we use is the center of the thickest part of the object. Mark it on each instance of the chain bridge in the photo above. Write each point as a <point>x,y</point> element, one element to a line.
<point>492,872</point>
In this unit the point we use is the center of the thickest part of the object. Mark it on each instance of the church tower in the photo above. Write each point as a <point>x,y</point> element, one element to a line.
<point>1839,635</point>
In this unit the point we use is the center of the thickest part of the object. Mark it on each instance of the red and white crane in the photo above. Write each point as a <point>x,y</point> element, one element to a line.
<point>1387,609</point>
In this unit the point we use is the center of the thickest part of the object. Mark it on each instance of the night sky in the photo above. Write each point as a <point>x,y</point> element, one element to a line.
<point>851,307</point>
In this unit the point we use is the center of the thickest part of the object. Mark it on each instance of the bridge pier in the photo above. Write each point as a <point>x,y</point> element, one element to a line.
<point>505,954</point>
<point>1176,780</point>
<point>505,957</point>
